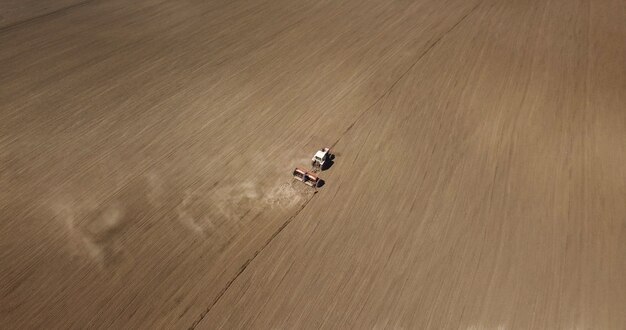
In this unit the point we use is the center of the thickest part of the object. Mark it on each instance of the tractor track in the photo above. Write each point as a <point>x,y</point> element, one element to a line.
<point>49,14</point>
<point>249,261</point>
<point>391,87</point>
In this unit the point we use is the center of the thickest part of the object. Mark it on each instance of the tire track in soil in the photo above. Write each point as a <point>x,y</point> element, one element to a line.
<point>393,85</point>
<point>247,263</point>
<point>17,24</point>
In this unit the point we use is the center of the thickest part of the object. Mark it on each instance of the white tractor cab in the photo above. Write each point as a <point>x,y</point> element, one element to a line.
<point>320,158</point>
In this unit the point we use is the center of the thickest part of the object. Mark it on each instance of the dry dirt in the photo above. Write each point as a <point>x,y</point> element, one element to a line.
<point>146,149</point>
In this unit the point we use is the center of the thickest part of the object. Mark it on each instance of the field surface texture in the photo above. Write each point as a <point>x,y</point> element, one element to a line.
<point>146,151</point>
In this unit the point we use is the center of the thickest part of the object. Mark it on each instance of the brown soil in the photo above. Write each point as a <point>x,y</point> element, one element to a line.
<point>146,149</point>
